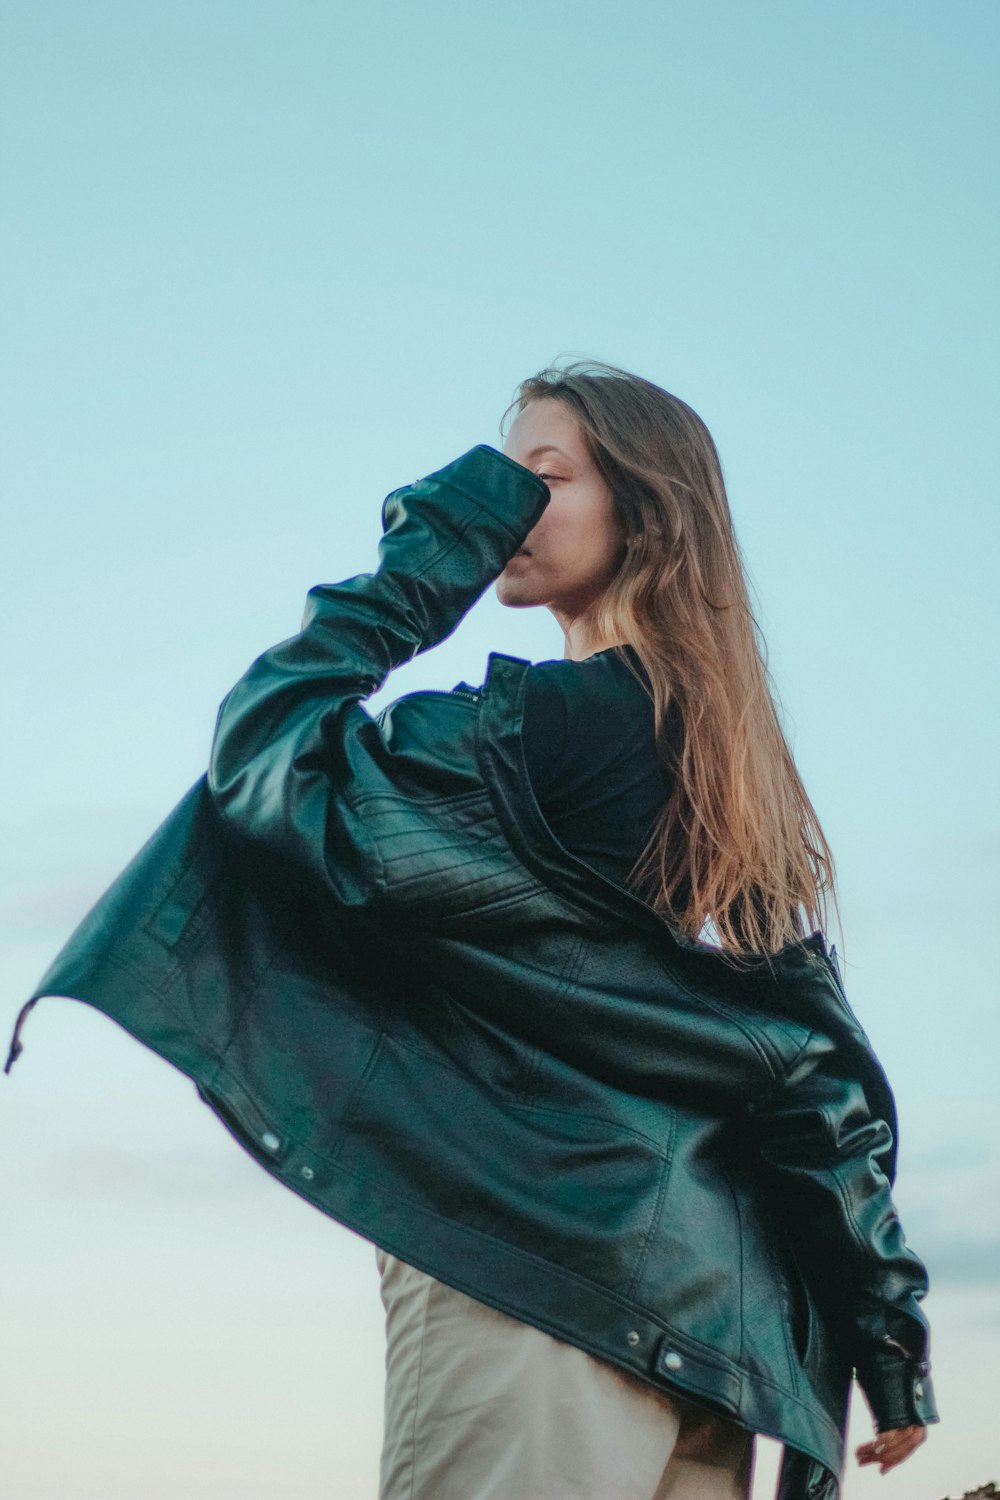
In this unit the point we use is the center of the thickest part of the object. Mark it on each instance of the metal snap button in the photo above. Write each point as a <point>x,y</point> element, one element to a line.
<point>270,1140</point>
<point>632,1336</point>
<point>672,1360</point>
<point>308,1173</point>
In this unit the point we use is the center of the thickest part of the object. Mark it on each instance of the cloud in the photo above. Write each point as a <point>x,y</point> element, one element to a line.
<point>86,1170</point>
<point>951,1213</point>
<point>54,910</point>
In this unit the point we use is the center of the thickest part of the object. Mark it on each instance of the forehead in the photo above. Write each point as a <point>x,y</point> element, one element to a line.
<point>544,426</point>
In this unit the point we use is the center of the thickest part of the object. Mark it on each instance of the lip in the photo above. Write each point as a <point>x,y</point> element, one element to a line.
<point>522,552</point>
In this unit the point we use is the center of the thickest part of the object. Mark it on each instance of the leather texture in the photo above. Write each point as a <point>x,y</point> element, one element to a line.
<point>411,1004</point>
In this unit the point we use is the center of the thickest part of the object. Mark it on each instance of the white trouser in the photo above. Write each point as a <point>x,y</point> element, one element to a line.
<point>481,1406</point>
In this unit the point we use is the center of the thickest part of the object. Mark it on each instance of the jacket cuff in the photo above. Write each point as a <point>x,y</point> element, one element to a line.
<point>899,1393</point>
<point>512,494</point>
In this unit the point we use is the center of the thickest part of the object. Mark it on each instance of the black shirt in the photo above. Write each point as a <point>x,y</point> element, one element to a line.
<point>589,743</point>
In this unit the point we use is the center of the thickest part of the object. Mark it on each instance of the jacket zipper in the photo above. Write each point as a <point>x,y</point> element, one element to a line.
<point>446,693</point>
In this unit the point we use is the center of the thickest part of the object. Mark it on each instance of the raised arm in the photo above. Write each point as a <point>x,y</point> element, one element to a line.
<point>294,754</point>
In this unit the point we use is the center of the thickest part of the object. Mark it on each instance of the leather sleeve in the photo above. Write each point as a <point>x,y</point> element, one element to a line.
<point>826,1139</point>
<point>294,755</point>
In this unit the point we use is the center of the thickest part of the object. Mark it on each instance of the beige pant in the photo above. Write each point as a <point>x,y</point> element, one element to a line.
<point>481,1406</point>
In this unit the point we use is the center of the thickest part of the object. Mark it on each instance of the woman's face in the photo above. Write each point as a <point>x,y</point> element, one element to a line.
<point>578,544</point>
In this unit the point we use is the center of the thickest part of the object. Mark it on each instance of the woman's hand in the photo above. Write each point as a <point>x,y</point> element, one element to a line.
<point>891,1447</point>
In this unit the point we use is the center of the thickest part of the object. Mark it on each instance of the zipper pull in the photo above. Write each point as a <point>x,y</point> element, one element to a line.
<point>16,1047</point>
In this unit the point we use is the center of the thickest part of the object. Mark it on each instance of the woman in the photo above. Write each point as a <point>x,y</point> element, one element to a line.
<point>635,546</point>
<point>629,1188</point>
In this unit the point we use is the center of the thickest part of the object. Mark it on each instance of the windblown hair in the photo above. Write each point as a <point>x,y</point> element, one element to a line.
<point>738,845</point>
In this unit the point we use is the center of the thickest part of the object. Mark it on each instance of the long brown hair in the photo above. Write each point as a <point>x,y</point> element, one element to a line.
<point>738,844</point>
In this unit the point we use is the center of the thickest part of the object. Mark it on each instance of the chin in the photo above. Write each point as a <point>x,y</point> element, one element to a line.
<point>512,596</point>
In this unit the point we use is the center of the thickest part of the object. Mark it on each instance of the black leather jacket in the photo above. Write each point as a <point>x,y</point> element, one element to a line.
<point>414,1007</point>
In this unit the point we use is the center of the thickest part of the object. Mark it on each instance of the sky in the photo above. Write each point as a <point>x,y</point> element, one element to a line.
<point>265,263</point>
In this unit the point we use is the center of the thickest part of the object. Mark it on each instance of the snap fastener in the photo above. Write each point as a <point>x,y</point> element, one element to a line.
<point>308,1173</point>
<point>632,1336</point>
<point>672,1360</point>
<point>270,1140</point>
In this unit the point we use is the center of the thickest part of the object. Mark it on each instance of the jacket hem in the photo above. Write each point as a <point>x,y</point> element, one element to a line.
<point>476,1263</point>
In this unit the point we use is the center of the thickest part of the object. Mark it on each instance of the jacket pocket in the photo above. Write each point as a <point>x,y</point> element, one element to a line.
<point>182,916</point>
<point>793,1314</point>
<point>801,1317</point>
<point>572,1188</point>
<point>216,893</point>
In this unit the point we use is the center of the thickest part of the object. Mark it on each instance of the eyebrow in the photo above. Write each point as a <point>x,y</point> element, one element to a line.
<point>548,448</point>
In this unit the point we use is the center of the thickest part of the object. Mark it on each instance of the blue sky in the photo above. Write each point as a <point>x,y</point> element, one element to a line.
<point>265,263</point>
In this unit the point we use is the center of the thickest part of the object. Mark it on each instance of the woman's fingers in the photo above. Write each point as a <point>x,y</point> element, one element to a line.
<point>890,1448</point>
